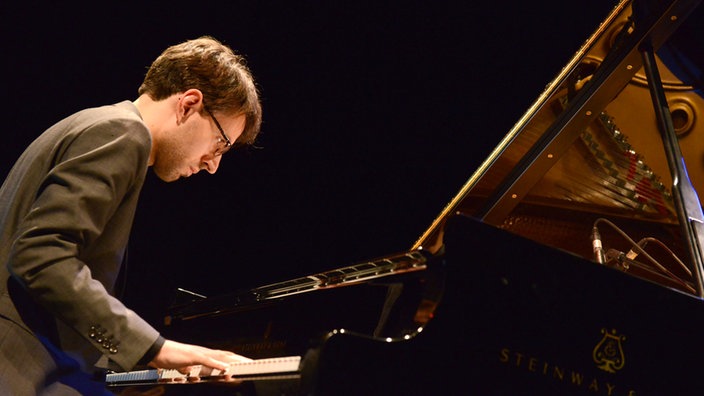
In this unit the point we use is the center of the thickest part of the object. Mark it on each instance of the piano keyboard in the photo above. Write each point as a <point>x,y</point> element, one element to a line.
<point>271,368</point>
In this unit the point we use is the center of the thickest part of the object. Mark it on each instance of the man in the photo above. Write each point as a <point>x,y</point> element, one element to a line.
<point>67,206</point>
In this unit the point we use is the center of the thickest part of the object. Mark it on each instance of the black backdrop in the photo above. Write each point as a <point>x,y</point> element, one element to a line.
<point>375,114</point>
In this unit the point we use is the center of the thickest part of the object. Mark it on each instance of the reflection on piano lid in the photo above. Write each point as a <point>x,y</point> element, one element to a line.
<point>591,147</point>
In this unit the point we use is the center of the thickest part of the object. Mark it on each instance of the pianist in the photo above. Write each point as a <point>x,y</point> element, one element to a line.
<point>66,209</point>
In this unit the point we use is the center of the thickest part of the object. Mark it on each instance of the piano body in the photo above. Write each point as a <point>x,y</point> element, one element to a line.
<point>507,292</point>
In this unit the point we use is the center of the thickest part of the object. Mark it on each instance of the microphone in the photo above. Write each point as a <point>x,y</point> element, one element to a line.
<point>620,257</point>
<point>597,247</point>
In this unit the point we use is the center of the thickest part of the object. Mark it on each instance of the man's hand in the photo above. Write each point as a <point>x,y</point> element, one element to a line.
<point>176,355</point>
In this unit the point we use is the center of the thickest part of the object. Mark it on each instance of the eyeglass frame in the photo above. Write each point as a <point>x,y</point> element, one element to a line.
<point>228,143</point>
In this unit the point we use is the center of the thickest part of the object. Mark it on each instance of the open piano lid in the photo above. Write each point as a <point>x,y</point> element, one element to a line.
<point>590,148</point>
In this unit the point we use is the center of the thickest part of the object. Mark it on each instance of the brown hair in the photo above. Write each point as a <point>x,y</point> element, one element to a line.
<point>213,68</point>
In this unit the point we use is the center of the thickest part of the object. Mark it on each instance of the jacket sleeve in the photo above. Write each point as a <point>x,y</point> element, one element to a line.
<point>59,248</point>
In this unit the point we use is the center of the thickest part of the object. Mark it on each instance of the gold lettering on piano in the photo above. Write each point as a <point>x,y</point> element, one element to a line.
<point>569,376</point>
<point>608,353</point>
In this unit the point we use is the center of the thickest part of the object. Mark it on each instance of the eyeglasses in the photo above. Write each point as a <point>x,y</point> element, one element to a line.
<point>224,143</point>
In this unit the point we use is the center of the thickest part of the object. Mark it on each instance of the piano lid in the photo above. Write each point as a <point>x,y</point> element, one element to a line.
<point>590,148</point>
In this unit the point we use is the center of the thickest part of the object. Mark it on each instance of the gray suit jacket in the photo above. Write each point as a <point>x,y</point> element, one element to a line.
<point>66,210</point>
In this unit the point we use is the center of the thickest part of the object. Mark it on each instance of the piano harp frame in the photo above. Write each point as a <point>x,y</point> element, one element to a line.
<point>615,72</point>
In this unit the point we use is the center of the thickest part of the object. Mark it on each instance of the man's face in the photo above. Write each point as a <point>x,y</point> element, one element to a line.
<point>195,144</point>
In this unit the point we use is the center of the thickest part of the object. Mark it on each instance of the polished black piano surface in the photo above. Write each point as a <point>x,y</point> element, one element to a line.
<point>569,263</point>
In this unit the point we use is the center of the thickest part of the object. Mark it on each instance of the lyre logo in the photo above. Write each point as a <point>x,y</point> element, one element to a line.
<point>608,353</point>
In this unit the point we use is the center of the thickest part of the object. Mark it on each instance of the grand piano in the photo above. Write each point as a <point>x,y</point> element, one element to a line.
<point>569,263</point>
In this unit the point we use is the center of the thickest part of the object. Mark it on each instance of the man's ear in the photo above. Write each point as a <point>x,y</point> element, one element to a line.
<point>190,102</point>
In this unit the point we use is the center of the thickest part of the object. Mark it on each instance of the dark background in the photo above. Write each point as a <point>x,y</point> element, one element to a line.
<point>375,114</point>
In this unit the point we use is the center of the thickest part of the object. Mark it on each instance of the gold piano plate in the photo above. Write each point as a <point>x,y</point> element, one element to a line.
<point>590,147</point>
